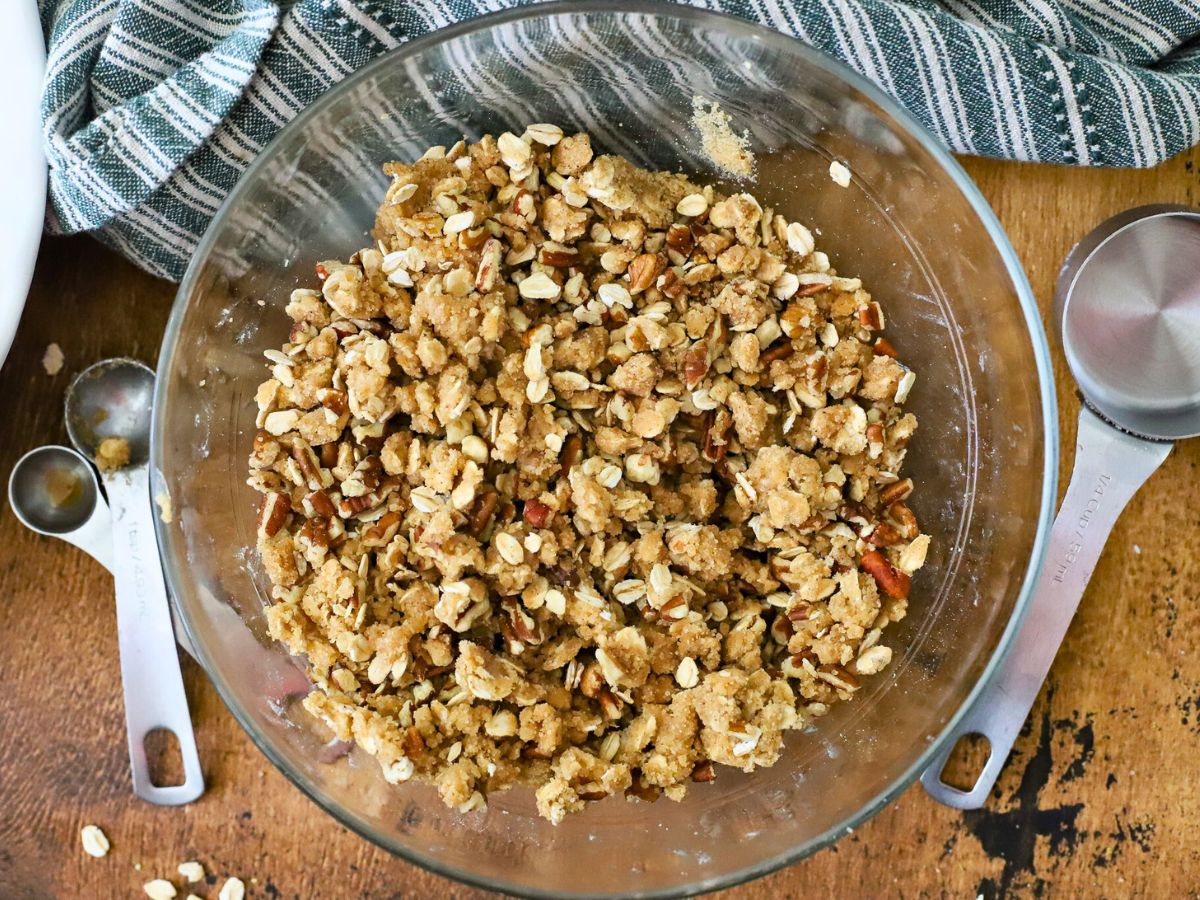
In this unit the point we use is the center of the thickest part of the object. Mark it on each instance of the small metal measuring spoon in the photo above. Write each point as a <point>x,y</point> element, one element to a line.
<point>113,398</point>
<point>1127,310</point>
<point>53,491</point>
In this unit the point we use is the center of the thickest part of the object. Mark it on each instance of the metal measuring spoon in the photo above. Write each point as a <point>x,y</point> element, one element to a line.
<point>113,399</point>
<point>1127,310</point>
<point>53,491</point>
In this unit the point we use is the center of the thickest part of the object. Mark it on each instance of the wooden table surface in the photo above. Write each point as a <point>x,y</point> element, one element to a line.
<point>1099,799</point>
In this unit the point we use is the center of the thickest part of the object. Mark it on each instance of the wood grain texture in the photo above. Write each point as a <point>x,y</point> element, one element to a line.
<point>1099,798</point>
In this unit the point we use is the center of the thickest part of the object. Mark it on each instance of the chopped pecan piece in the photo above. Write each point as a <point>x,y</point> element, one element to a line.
<point>273,512</point>
<point>891,580</point>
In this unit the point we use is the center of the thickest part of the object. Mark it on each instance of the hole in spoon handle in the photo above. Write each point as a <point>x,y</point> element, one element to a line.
<point>1109,468</point>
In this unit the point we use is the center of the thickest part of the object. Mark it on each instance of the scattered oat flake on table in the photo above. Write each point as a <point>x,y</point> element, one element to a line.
<point>232,889</point>
<point>839,173</point>
<point>192,871</point>
<point>159,889</point>
<point>53,359</point>
<point>95,841</point>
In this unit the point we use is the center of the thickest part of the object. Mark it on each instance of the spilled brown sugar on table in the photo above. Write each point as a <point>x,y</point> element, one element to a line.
<point>584,477</point>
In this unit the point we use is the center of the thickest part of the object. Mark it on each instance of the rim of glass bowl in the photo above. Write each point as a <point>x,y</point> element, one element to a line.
<point>784,44</point>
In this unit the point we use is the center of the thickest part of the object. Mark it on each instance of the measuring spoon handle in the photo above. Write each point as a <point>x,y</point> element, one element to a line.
<point>94,537</point>
<point>1110,466</point>
<point>150,676</point>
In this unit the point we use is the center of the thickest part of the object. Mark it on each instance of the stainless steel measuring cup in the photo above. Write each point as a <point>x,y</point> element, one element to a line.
<point>1127,311</point>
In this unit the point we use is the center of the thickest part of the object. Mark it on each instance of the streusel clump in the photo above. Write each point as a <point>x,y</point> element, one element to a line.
<point>585,477</point>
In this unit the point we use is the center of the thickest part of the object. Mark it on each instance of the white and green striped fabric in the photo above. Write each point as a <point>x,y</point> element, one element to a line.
<point>153,108</point>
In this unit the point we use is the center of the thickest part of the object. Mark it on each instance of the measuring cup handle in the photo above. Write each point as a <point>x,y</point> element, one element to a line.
<point>1109,468</point>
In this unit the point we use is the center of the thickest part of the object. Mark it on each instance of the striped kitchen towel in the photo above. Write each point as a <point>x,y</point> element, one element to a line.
<point>153,108</point>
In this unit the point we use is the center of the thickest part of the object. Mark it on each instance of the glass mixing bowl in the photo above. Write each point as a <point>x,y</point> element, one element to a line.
<point>911,225</point>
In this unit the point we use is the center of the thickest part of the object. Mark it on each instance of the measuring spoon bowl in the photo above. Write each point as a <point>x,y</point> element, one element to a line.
<point>53,491</point>
<point>112,398</point>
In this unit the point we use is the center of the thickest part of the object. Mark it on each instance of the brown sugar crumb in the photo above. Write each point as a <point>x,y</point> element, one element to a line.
<point>112,454</point>
<point>728,151</point>
<point>583,477</point>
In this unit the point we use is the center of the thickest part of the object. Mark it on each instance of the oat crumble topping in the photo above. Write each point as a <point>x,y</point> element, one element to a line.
<point>583,477</point>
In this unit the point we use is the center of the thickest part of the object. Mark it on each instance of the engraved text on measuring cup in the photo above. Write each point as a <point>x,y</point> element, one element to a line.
<point>1081,525</point>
